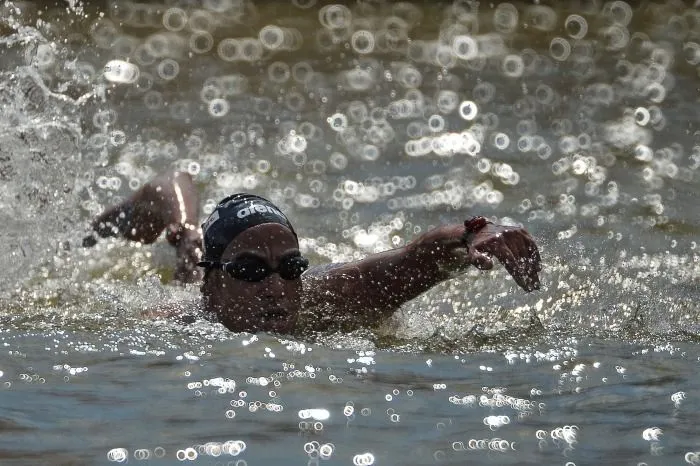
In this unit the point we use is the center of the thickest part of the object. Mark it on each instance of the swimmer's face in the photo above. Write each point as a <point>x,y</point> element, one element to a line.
<point>271,304</point>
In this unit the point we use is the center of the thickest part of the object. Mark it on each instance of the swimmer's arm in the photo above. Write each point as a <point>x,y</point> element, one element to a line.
<point>376,286</point>
<point>170,202</point>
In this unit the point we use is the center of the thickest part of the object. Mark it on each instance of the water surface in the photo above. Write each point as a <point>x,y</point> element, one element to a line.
<point>368,123</point>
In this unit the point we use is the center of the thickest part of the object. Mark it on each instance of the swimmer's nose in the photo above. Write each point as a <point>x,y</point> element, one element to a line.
<point>274,286</point>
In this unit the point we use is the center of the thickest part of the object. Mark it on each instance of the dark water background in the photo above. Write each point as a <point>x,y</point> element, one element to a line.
<point>368,122</point>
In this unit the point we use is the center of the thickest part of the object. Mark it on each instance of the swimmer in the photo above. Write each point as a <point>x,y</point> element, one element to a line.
<point>254,277</point>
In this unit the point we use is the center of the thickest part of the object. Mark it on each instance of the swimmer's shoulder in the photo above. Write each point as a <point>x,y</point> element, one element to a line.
<point>328,293</point>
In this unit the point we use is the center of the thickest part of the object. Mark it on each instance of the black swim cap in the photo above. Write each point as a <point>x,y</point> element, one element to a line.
<point>232,216</point>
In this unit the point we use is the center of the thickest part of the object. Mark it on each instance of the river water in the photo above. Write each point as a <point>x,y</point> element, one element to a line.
<point>367,122</point>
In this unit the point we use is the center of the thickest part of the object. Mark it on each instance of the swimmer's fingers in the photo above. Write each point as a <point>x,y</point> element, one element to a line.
<point>107,225</point>
<point>533,253</point>
<point>515,249</point>
<point>133,219</point>
<point>525,261</point>
<point>528,262</point>
<point>512,264</point>
<point>480,260</point>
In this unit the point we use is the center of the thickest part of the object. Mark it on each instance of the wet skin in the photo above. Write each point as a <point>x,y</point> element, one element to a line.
<point>271,304</point>
<point>168,202</point>
<point>352,295</point>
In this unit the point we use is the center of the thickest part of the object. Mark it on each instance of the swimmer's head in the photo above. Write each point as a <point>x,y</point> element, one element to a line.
<point>251,253</point>
<point>232,216</point>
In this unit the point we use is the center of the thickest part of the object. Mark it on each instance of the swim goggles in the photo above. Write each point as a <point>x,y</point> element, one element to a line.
<point>255,269</point>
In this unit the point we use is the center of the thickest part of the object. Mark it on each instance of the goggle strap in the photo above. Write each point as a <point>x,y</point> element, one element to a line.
<point>213,265</point>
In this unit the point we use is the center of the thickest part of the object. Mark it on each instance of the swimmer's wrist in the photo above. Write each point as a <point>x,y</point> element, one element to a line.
<point>472,226</point>
<point>178,232</point>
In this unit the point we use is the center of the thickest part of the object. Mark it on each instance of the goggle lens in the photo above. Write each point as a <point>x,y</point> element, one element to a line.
<point>251,269</point>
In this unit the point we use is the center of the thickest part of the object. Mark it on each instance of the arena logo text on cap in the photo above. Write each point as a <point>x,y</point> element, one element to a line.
<point>233,215</point>
<point>259,208</point>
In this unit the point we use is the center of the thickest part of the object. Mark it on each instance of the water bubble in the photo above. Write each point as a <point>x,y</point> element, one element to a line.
<point>103,33</point>
<point>193,168</point>
<point>144,56</point>
<point>559,48</point>
<point>210,91</point>
<point>513,66</point>
<point>201,21</point>
<point>464,47</point>
<point>335,16</point>
<point>302,72</point>
<point>229,49</point>
<point>121,72</point>
<point>409,77</point>
<point>118,455</point>
<point>444,56</point>
<point>641,116</point>
<point>436,123</point>
<point>325,42</point>
<point>616,37</point>
<point>325,451</point>
<point>362,41</point>
<point>121,12</point>
<point>652,434</point>
<point>541,17</point>
<point>501,141</point>
<point>174,19</point>
<point>370,152</point>
<point>468,110</point>
<point>271,37</point>
<point>568,144</point>
<point>655,92</point>
<point>678,398</point>
<point>278,72</point>
<point>364,459</point>
<point>618,11</point>
<point>576,27</point>
<point>483,165</point>
<point>338,161</point>
<point>168,69</point>
<point>691,51</point>
<point>295,101</point>
<point>484,92</point>
<point>201,42</point>
<point>158,45</point>
<point>153,100</point>
<point>117,138</point>
<point>525,143</point>
<point>338,122</point>
<point>447,101</point>
<point>544,94</point>
<point>505,18</point>
<point>142,454</point>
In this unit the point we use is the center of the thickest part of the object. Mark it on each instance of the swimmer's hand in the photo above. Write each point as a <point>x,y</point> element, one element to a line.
<point>188,244</point>
<point>167,203</point>
<point>512,246</point>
